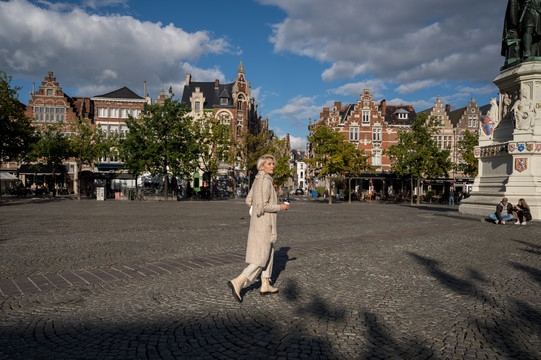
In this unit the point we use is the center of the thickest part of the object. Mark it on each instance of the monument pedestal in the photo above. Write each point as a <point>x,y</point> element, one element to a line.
<point>509,150</point>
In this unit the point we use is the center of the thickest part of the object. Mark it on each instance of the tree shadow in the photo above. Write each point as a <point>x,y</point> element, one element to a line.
<point>534,273</point>
<point>383,346</point>
<point>536,248</point>
<point>457,285</point>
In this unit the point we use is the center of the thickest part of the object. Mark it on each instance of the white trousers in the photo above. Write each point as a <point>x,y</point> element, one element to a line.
<point>251,271</point>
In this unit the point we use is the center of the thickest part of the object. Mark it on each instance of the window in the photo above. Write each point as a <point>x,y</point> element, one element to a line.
<point>472,120</point>
<point>366,117</point>
<point>103,112</point>
<point>402,116</point>
<point>114,113</point>
<point>49,92</point>
<point>376,134</point>
<point>197,106</point>
<point>136,113</point>
<point>376,157</point>
<point>124,113</point>
<point>353,134</point>
<point>223,101</point>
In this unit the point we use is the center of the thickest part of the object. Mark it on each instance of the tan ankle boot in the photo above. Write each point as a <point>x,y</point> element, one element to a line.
<point>266,288</point>
<point>236,285</point>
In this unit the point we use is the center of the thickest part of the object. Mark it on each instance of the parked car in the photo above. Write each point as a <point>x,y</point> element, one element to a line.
<point>299,191</point>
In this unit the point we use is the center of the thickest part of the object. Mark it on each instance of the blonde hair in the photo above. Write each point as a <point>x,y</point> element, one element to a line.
<point>524,204</point>
<point>264,158</point>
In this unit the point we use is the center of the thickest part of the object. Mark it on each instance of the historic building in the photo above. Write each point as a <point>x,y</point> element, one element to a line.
<point>231,104</point>
<point>373,127</point>
<point>453,125</point>
<point>111,110</point>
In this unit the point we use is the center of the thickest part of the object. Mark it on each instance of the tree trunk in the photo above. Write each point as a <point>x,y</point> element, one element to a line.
<point>418,190</point>
<point>165,183</point>
<point>76,181</point>
<point>411,190</point>
<point>328,181</point>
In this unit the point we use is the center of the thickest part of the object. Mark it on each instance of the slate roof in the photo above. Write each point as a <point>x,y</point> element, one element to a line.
<point>123,93</point>
<point>212,95</point>
<point>392,111</point>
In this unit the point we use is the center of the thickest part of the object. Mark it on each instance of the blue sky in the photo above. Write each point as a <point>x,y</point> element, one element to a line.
<point>299,55</point>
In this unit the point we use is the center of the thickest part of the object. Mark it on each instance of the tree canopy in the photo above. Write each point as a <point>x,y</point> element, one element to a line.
<point>164,140</point>
<point>16,129</point>
<point>333,154</point>
<point>469,164</point>
<point>417,154</point>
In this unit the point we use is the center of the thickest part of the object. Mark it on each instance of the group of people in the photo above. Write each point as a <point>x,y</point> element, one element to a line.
<point>505,211</point>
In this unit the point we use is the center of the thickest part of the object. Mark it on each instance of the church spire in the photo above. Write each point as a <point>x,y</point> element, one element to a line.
<point>241,68</point>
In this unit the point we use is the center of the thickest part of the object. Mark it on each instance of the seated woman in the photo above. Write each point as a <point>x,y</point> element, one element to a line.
<point>521,212</point>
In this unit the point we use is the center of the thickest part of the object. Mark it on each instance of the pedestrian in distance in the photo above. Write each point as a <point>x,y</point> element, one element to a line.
<point>451,196</point>
<point>264,207</point>
<point>521,213</point>
<point>504,212</point>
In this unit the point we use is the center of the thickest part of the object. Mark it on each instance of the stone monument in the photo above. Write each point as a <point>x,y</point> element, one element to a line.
<point>509,150</point>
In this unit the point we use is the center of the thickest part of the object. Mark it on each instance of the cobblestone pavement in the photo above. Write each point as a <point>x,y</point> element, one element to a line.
<point>148,280</point>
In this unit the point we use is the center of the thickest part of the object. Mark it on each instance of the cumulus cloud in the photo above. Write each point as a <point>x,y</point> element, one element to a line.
<point>356,89</point>
<point>299,109</point>
<point>416,41</point>
<point>103,50</point>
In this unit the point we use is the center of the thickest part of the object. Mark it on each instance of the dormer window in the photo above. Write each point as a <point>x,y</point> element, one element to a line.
<point>223,101</point>
<point>402,116</point>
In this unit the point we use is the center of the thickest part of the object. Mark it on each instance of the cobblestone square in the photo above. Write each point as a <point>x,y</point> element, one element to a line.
<point>148,280</point>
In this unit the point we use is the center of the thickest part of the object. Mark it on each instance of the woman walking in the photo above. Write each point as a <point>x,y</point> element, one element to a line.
<point>262,234</point>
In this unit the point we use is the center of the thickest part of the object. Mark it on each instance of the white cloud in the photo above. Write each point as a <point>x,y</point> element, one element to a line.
<point>415,86</point>
<point>298,109</point>
<point>356,89</point>
<point>102,50</point>
<point>412,41</point>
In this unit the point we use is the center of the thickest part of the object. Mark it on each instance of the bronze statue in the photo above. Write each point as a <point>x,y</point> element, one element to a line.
<point>521,39</point>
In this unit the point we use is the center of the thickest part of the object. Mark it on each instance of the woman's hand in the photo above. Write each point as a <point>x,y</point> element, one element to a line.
<point>284,207</point>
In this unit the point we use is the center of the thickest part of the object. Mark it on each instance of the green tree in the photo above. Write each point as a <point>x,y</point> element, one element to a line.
<point>216,145</point>
<point>416,154</point>
<point>329,155</point>
<point>251,148</point>
<point>87,144</point>
<point>52,148</point>
<point>466,148</point>
<point>163,141</point>
<point>282,169</point>
<point>16,130</point>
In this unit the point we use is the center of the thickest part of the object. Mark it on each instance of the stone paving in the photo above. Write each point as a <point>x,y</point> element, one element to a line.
<point>148,280</point>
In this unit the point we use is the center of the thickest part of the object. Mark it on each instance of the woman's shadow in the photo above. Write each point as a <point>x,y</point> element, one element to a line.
<point>281,258</point>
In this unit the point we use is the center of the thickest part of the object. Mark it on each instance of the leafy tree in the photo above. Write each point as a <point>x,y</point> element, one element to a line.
<point>163,141</point>
<point>216,145</point>
<point>87,145</point>
<point>282,171</point>
<point>52,148</point>
<point>466,147</point>
<point>417,154</point>
<point>16,129</point>
<point>251,148</point>
<point>329,154</point>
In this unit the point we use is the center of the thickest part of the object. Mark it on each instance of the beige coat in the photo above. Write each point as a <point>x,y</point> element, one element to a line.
<point>262,232</point>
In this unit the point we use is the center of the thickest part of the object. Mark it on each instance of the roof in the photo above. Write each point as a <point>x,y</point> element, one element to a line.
<point>210,92</point>
<point>123,93</point>
<point>392,112</point>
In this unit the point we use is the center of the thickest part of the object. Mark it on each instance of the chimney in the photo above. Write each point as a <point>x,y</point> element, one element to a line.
<point>216,84</point>
<point>188,79</point>
<point>144,88</point>
<point>448,108</point>
<point>383,106</point>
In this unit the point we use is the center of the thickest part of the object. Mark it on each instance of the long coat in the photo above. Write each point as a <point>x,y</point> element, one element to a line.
<point>262,233</point>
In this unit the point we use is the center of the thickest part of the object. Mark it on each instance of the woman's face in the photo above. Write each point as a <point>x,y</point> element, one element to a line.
<point>268,166</point>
